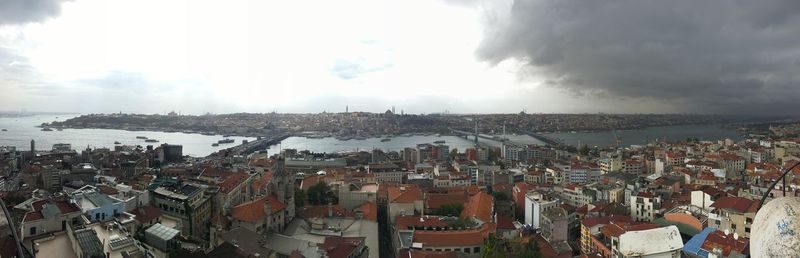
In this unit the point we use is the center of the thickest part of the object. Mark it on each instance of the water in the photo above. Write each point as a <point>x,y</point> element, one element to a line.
<point>643,136</point>
<point>22,129</point>
<point>397,143</point>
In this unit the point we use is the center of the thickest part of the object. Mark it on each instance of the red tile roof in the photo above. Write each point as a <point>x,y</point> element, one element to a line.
<point>434,201</point>
<point>322,211</point>
<point>404,222</point>
<point>263,181</point>
<point>645,195</point>
<point>738,204</point>
<point>404,194</point>
<point>479,206</point>
<point>370,211</point>
<point>310,181</point>
<point>591,222</point>
<point>253,211</point>
<point>145,214</point>
<point>473,237</point>
<point>340,247</point>
<point>505,222</point>
<point>727,243</point>
<point>232,181</point>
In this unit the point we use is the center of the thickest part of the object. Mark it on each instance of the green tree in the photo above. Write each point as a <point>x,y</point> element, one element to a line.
<point>450,209</point>
<point>501,196</point>
<point>462,223</point>
<point>321,194</point>
<point>299,197</point>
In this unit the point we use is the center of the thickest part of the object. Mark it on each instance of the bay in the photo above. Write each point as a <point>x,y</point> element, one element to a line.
<point>21,130</point>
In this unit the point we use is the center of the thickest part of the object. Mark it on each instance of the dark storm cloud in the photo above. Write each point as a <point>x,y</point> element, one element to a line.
<point>25,11</point>
<point>708,56</point>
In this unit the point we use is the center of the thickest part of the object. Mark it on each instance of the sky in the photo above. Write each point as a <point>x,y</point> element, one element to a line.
<point>420,56</point>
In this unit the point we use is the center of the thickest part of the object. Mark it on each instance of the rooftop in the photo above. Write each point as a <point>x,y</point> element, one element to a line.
<point>651,241</point>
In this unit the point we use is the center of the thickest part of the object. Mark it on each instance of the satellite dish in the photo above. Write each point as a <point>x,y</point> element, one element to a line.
<point>727,232</point>
<point>735,236</point>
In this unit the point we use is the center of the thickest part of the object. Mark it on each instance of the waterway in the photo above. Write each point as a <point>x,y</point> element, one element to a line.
<point>643,136</point>
<point>21,130</point>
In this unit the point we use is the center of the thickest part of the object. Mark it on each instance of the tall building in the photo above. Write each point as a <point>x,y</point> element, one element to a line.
<point>169,153</point>
<point>33,146</point>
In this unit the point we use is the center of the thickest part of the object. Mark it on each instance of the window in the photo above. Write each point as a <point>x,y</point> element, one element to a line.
<point>33,231</point>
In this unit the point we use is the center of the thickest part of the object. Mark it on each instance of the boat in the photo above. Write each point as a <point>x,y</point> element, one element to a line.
<point>151,140</point>
<point>47,129</point>
<point>60,129</point>
<point>141,137</point>
<point>116,142</point>
<point>361,138</point>
<point>207,133</point>
<point>227,135</point>
<point>385,140</point>
<point>5,130</point>
<point>215,144</point>
<point>439,142</point>
<point>225,141</point>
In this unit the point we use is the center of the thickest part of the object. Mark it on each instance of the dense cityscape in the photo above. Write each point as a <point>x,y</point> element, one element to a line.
<point>399,129</point>
<point>364,124</point>
<point>698,197</point>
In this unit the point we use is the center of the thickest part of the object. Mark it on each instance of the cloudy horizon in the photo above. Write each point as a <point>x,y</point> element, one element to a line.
<point>543,56</point>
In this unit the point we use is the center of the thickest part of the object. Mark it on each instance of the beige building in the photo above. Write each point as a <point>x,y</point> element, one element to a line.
<point>734,214</point>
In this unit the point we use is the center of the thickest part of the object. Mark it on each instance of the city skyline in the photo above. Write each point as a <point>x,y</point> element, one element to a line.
<point>91,56</point>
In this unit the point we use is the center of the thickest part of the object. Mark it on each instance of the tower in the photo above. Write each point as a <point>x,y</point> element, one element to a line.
<point>33,146</point>
<point>284,188</point>
<point>347,109</point>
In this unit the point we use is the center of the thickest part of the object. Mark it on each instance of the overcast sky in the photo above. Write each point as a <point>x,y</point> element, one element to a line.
<point>422,56</point>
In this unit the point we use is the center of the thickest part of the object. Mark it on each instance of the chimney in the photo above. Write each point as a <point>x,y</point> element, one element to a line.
<point>267,207</point>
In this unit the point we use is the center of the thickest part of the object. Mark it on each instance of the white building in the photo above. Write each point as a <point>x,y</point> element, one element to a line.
<point>535,204</point>
<point>644,206</point>
<point>97,206</point>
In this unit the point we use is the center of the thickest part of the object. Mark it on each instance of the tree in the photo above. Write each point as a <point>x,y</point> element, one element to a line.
<point>299,197</point>
<point>462,223</point>
<point>500,196</point>
<point>321,194</point>
<point>450,209</point>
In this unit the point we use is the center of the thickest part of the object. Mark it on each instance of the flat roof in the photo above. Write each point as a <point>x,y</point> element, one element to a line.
<point>57,246</point>
<point>162,232</point>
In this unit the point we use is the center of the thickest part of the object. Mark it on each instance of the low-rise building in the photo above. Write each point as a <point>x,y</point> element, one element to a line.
<point>97,206</point>
<point>48,216</point>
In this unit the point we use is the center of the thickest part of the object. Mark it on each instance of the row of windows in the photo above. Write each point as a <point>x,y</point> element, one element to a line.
<point>475,250</point>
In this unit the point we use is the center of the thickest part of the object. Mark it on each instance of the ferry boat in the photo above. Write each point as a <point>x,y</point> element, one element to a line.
<point>439,142</point>
<point>141,137</point>
<point>5,130</point>
<point>225,141</point>
<point>151,140</point>
<point>47,129</point>
<point>385,140</point>
<point>116,142</point>
<point>215,144</point>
